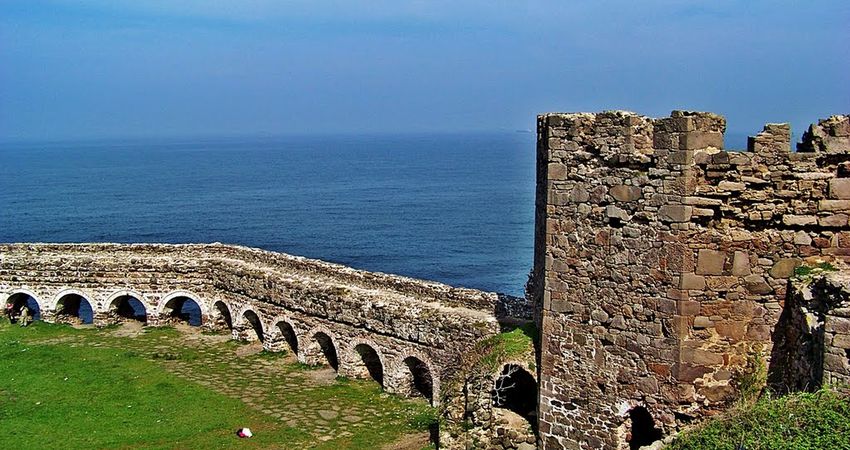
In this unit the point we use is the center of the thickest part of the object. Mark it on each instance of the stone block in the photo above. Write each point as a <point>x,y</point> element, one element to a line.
<point>803,238</point>
<point>701,322</point>
<point>834,205</point>
<point>757,285</point>
<point>701,357</point>
<point>841,341</point>
<point>612,212</point>
<point>733,330</point>
<point>839,188</point>
<point>741,264</point>
<point>710,262</point>
<point>731,186</point>
<point>691,281</point>
<point>796,220</point>
<point>784,268</point>
<point>689,308</point>
<point>675,213</point>
<point>694,140</point>
<point>624,193</point>
<point>556,171</point>
<point>834,221</point>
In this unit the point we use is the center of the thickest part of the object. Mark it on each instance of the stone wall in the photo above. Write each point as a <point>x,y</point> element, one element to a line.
<point>662,262</point>
<point>416,328</point>
<point>813,335</point>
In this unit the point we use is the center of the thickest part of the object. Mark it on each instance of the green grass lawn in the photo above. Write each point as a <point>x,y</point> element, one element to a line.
<point>801,421</point>
<point>82,389</point>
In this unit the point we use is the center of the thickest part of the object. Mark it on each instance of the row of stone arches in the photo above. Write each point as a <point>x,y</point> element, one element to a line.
<point>411,376</point>
<point>71,304</point>
<point>320,347</point>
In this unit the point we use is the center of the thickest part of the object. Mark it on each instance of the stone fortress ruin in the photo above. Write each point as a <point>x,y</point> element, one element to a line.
<point>665,269</point>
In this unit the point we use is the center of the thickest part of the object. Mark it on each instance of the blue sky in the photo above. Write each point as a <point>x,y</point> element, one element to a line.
<point>124,68</point>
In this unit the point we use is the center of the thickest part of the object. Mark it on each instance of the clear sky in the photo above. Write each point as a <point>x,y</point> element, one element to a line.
<point>127,68</point>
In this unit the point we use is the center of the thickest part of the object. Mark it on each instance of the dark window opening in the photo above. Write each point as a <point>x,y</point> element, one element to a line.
<point>421,381</point>
<point>328,349</point>
<point>130,307</point>
<point>643,428</point>
<point>184,309</point>
<point>288,334</point>
<point>371,362</point>
<point>73,305</point>
<point>254,321</point>
<point>516,390</point>
<point>223,318</point>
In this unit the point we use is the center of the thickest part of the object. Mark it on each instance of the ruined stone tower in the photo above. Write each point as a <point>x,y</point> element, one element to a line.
<point>662,263</point>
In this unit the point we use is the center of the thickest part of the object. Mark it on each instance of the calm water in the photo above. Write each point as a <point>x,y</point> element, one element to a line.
<point>453,208</point>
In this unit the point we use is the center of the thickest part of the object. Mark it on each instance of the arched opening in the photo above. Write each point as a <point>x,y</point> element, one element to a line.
<point>254,331</point>
<point>516,390</point>
<point>21,300</point>
<point>288,334</point>
<point>74,307</point>
<point>129,307</point>
<point>421,382</point>
<point>223,319</point>
<point>371,366</point>
<point>326,346</point>
<point>643,430</point>
<point>183,309</point>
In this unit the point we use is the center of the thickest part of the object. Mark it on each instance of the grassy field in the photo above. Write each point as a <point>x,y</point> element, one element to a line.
<point>162,388</point>
<point>801,421</point>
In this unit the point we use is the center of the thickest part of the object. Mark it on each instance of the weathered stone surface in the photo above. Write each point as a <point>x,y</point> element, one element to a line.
<point>784,268</point>
<point>741,264</point>
<point>710,262</point>
<point>692,281</point>
<point>675,213</point>
<point>834,205</point>
<point>623,193</point>
<point>695,280</point>
<point>839,188</point>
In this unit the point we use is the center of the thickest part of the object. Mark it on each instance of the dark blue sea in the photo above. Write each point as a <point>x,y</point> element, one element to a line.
<point>455,208</point>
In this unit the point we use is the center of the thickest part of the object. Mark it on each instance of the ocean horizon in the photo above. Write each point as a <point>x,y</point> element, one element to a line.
<point>456,208</point>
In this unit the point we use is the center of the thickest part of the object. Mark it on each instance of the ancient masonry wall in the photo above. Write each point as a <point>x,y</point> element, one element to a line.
<point>812,341</point>
<point>662,261</point>
<point>398,317</point>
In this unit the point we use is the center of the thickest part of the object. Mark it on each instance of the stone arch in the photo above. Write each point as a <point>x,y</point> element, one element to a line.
<point>74,303</point>
<point>641,429</point>
<point>220,315</point>
<point>175,305</point>
<point>367,361</point>
<point>284,328</point>
<point>515,389</point>
<point>251,322</point>
<point>21,298</point>
<point>121,304</point>
<point>417,378</point>
<point>321,348</point>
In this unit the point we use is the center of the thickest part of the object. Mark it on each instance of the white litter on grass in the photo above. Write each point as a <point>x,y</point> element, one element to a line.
<point>244,433</point>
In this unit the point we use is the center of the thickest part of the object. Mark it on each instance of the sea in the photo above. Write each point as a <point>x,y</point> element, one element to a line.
<point>454,208</point>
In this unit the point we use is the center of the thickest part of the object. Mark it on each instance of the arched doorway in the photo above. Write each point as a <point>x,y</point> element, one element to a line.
<point>288,335</point>
<point>254,328</point>
<point>370,363</point>
<point>515,389</point>
<point>74,307</point>
<point>21,300</point>
<point>183,309</point>
<point>323,347</point>
<point>129,307</point>
<point>222,318</point>
<point>643,431</point>
<point>420,381</point>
